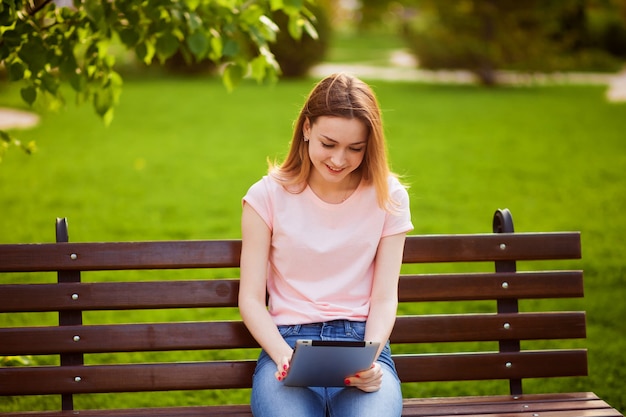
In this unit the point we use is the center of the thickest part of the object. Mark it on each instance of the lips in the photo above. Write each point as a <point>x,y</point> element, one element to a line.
<point>334,170</point>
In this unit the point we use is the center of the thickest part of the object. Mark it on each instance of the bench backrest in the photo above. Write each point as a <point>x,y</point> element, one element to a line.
<point>73,299</point>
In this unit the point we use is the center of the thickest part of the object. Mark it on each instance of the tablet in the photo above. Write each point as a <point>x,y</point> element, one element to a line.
<point>322,363</point>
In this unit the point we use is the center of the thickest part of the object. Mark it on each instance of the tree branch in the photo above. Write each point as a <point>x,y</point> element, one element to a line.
<point>32,10</point>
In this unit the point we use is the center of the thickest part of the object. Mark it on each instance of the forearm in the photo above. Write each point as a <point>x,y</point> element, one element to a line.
<point>384,298</point>
<point>378,328</point>
<point>260,324</point>
<point>380,322</point>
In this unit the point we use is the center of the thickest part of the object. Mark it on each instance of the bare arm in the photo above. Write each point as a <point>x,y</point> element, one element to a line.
<point>256,241</point>
<point>384,305</point>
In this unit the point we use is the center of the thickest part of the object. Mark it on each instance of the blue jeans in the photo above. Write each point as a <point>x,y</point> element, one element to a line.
<point>271,398</point>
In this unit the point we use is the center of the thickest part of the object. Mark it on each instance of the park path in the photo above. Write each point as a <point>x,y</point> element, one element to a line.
<point>402,68</point>
<point>17,119</point>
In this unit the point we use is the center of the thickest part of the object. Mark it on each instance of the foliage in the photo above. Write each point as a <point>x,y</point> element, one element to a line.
<point>6,141</point>
<point>532,35</point>
<point>372,14</point>
<point>297,55</point>
<point>43,45</point>
<point>605,29</point>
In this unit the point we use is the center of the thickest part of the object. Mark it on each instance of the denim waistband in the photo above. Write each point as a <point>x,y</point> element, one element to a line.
<point>347,325</point>
<point>326,330</point>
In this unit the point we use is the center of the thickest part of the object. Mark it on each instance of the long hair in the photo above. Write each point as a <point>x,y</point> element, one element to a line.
<point>339,95</point>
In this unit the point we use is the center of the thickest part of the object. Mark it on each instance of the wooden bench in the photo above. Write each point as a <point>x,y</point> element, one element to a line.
<point>504,326</point>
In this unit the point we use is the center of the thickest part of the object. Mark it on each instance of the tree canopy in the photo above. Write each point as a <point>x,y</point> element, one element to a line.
<point>532,35</point>
<point>485,36</point>
<point>44,45</point>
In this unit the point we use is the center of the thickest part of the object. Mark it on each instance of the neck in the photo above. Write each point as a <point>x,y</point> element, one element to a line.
<point>335,193</point>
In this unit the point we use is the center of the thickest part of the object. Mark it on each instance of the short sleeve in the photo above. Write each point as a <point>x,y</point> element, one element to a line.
<point>398,218</point>
<point>259,198</point>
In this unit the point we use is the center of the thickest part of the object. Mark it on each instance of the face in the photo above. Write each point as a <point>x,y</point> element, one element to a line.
<point>336,147</point>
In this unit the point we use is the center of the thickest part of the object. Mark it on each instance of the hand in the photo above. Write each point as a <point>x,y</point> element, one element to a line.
<point>282,368</point>
<point>369,380</point>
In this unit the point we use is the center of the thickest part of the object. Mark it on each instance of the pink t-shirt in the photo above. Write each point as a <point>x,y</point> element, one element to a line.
<point>321,261</point>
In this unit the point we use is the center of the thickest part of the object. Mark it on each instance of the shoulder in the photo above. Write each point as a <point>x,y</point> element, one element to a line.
<point>261,196</point>
<point>394,182</point>
<point>266,185</point>
<point>396,188</point>
<point>271,191</point>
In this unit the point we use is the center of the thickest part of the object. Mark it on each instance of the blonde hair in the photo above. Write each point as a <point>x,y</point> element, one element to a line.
<point>339,95</point>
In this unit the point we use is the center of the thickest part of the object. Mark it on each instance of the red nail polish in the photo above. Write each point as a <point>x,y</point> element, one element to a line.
<point>347,381</point>
<point>358,376</point>
<point>285,367</point>
<point>284,373</point>
<point>280,378</point>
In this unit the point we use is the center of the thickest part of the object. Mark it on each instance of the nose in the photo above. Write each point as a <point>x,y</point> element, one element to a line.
<point>338,157</point>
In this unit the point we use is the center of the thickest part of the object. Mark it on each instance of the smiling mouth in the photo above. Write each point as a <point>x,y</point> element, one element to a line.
<point>337,170</point>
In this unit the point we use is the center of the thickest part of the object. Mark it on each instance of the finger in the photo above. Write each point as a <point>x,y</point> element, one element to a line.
<point>368,381</point>
<point>282,369</point>
<point>375,372</point>
<point>368,386</point>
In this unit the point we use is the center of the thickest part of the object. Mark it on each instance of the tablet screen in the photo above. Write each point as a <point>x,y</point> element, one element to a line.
<point>322,363</point>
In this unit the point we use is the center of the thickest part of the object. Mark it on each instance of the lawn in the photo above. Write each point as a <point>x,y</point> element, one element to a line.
<point>181,153</point>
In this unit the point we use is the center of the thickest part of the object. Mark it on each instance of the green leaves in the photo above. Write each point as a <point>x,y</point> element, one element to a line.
<point>16,71</point>
<point>6,141</point>
<point>8,12</point>
<point>166,45</point>
<point>198,43</point>
<point>33,54</point>
<point>233,74</point>
<point>71,45</point>
<point>29,94</point>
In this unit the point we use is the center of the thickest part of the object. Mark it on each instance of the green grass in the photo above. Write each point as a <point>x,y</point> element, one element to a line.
<point>372,48</point>
<point>181,153</point>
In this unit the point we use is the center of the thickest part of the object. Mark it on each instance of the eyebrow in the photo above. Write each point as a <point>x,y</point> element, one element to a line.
<point>351,144</point>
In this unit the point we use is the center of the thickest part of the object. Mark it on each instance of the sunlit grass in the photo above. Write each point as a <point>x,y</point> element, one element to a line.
<point>372,48</point>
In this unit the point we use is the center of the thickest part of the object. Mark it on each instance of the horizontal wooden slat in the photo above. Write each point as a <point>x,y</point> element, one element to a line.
<point>488,327</point>
<point>492,247</point>
<point>553,405</point>
<point>595,410</point>
<point>225,253</point>
<point>126,378</point>
<point>181,411</point>
<point>560,404</point>
<point>237,374</point>
<point>125,338</point>
<point>233,334</point>
<point>223,293</point>
<point>119,295</point>
<point>473,400</point>
<point>491,286</point>
<point>481,366</point>
<point>120,255</point>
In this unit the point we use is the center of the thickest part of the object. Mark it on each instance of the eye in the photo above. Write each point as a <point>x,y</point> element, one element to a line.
<point>326,145</point>
<point>359,149</point>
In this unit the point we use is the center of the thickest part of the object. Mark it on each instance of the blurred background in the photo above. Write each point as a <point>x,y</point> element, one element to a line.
<point>484,37</point>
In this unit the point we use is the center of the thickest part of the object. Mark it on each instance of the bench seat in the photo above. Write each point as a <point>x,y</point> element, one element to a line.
<point>581,404</point>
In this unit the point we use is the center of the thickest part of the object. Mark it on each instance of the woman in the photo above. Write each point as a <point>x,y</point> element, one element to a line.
<point>323,233</point>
